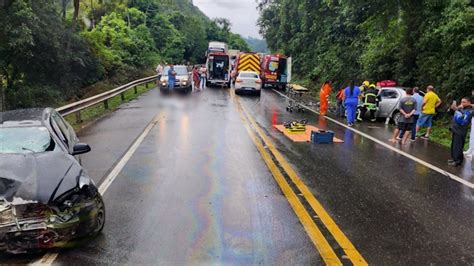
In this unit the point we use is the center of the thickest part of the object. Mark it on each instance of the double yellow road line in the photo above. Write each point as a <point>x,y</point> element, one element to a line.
<point>277,162</point>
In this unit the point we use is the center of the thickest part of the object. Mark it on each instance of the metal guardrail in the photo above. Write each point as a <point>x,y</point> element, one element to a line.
<point>77,107</point>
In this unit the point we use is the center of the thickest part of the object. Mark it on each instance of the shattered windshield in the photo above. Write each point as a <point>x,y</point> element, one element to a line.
<point>24,139</point>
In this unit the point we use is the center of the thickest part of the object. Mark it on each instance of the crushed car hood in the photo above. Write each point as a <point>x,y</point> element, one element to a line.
<point>37,177</point>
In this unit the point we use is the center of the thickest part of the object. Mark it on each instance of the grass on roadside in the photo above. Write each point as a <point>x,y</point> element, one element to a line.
<point>98,110</point>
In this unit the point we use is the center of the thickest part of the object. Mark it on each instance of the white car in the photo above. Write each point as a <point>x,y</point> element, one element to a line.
<point>248,81</point>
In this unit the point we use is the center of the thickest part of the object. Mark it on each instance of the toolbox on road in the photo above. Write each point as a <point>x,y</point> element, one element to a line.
<point>322,136</point>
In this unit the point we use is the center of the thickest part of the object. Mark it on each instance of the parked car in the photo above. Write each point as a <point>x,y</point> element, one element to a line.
<point>390,102</point>
<point>248,81</point>
<point>183,79</point>
<point>46,197</point>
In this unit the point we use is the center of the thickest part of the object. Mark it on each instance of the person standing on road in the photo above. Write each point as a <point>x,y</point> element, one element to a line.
<point>159,72</point>
<point>416,116</point>
<point>431,101</point>
<point>369,103</point>
<point>171,78</point>
<point>351,99</point>
<point>341,111</point>
<point>195,78</point>
<point>407,109</point>
<point>459,126</point>
<point>470,151</point>
<point>324,93</point>
<point>203,76</point>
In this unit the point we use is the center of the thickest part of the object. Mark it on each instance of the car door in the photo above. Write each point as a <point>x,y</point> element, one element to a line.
<point>390,99</point>
<point>64,132</point>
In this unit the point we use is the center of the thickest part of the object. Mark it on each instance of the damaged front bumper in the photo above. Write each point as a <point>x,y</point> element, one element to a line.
<point>35,227</point>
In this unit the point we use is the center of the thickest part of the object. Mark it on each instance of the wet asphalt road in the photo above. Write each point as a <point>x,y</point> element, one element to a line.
<point>197,191</point>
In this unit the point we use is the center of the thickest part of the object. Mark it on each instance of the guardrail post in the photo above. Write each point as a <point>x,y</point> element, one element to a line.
<point>78,117</point>
<point>135,89</point>
<point>106,104</point>
<point>122,96</point>
<point>146,85</point>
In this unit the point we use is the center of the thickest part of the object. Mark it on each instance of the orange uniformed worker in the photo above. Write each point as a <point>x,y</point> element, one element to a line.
<point>324,93</point>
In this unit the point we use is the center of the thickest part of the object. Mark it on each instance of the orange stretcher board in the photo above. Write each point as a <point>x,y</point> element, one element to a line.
<point>302,137</point>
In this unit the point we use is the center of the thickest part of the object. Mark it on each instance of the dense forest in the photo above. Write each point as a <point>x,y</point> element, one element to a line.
<point>415,42</point>
<point>50,50</point>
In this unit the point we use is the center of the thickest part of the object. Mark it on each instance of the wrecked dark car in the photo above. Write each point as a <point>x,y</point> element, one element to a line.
<point>46,197</point>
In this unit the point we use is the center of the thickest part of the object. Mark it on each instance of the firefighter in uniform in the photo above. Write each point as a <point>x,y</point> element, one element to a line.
<point>369,103</point>
<point>364,87</point>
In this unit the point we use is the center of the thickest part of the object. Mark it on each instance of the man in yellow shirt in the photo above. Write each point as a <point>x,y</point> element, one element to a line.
<point>431,101</point>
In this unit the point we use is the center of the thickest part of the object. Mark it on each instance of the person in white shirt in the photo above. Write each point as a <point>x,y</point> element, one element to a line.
<point>203,75</point>
<point>159,71</point>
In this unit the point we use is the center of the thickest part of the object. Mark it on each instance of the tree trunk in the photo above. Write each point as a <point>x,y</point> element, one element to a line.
<point>76,10</point>
<point>64,8</point>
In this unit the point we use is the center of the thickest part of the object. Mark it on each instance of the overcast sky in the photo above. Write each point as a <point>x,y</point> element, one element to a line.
<point>242,14</point>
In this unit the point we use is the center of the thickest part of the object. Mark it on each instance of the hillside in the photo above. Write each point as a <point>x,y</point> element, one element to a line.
<point>50,51</point>
<point>257,45</point>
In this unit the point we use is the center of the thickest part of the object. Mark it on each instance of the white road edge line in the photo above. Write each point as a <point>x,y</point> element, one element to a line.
<point>409,156</point>
<point>49,258</point>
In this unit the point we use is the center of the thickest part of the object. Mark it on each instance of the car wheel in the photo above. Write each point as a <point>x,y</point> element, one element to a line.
<point>396,117</point>
<point>99,222</point>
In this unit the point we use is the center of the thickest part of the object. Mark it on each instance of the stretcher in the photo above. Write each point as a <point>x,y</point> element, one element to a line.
<point>302,137</point>
<point>295,94</point>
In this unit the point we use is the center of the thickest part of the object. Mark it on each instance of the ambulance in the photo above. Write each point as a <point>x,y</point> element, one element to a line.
<point>276,70</point>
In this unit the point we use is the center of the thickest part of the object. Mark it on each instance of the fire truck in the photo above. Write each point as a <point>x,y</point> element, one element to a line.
<point>276,70</point>
<point>247,61</point>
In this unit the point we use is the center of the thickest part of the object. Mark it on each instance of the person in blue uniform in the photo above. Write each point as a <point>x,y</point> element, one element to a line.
<point>351,99</point>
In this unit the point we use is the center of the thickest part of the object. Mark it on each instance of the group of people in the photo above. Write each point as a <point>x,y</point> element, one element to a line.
<point>416,111</point>
<point>199,75</point>
<point>419,111</point>
<point>352,102</point>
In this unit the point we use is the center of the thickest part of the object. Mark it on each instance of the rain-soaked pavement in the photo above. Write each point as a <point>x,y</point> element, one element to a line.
<point>197,191</point>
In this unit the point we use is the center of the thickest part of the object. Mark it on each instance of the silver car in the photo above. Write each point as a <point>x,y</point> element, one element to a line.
<point>390,102</point>
<point>183,79</point>
<point>248,81</point>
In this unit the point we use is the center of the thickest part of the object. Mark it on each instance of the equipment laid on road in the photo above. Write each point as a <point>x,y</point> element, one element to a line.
<point>296,127</point>
<point>295,93</point>
<point>302,137</point>
<point>322,136</point>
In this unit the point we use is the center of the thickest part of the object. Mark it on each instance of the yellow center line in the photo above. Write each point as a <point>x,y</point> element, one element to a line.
<point>350,250</point>
<point>322,245</point>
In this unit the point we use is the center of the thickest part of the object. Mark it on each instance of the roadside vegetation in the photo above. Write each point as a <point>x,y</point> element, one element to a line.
<point>90,114</point>
<point>53,52</point>
<point>414,42</point>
